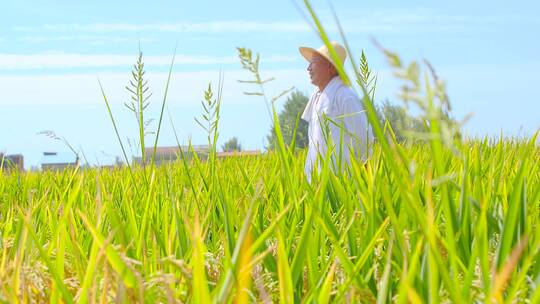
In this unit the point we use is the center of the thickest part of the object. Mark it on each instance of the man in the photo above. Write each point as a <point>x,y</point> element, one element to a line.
<point>335,115</point>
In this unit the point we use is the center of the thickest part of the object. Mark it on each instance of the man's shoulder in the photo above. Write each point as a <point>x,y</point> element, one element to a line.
<point>346,94</point>
<point>345,91</point>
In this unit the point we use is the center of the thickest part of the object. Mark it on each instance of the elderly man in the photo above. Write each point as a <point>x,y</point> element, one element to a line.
<point>335,108</point>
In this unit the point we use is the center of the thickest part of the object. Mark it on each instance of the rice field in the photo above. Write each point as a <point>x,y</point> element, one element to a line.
<point>438,220</point>
<point>251,229</point>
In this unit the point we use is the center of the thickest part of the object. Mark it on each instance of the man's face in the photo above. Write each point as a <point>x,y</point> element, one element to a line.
<point>320,70</point>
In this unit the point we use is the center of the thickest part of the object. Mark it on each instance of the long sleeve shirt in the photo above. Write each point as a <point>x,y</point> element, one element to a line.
<point>338,121</point>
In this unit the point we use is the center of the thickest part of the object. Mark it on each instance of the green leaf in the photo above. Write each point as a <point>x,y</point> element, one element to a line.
<point>114,258</point>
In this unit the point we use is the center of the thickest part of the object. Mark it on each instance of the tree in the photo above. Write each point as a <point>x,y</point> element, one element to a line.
<point>402,122</point>
<point>293,108</point>
<point>118,161</point>
<point>232,145</point>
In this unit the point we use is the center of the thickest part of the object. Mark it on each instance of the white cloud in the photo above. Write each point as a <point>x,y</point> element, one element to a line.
<point>417,20</point>
<point>214,27</point>
<point>59,61</point>
<point>82,38</point>
<point>72,106</point>
<point>185,87</point>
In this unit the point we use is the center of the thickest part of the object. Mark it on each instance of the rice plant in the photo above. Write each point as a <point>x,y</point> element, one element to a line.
<point>446,219</point>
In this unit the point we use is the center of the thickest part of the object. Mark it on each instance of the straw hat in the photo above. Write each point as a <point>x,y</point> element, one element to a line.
<point>308,52</point>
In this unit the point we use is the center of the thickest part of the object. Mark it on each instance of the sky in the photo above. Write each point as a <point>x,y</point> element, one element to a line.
<point>52,54</point>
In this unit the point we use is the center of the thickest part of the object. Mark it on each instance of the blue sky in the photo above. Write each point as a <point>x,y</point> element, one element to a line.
<point>53,52</point>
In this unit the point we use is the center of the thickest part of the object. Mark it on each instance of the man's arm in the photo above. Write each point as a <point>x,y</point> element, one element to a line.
<point>353,119</point>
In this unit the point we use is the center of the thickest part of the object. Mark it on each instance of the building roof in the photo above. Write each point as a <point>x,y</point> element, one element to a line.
<point>55,158</point>
<point>173,150</point>
<point>12,157</point>
<point>238,153</point>
<point>12,160</point>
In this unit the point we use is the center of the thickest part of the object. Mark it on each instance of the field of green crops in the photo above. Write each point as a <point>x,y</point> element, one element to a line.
<point>440,219</point>
<point>251,229</point>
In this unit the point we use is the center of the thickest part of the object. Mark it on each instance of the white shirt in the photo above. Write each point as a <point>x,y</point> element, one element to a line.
<point>341,105</point>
